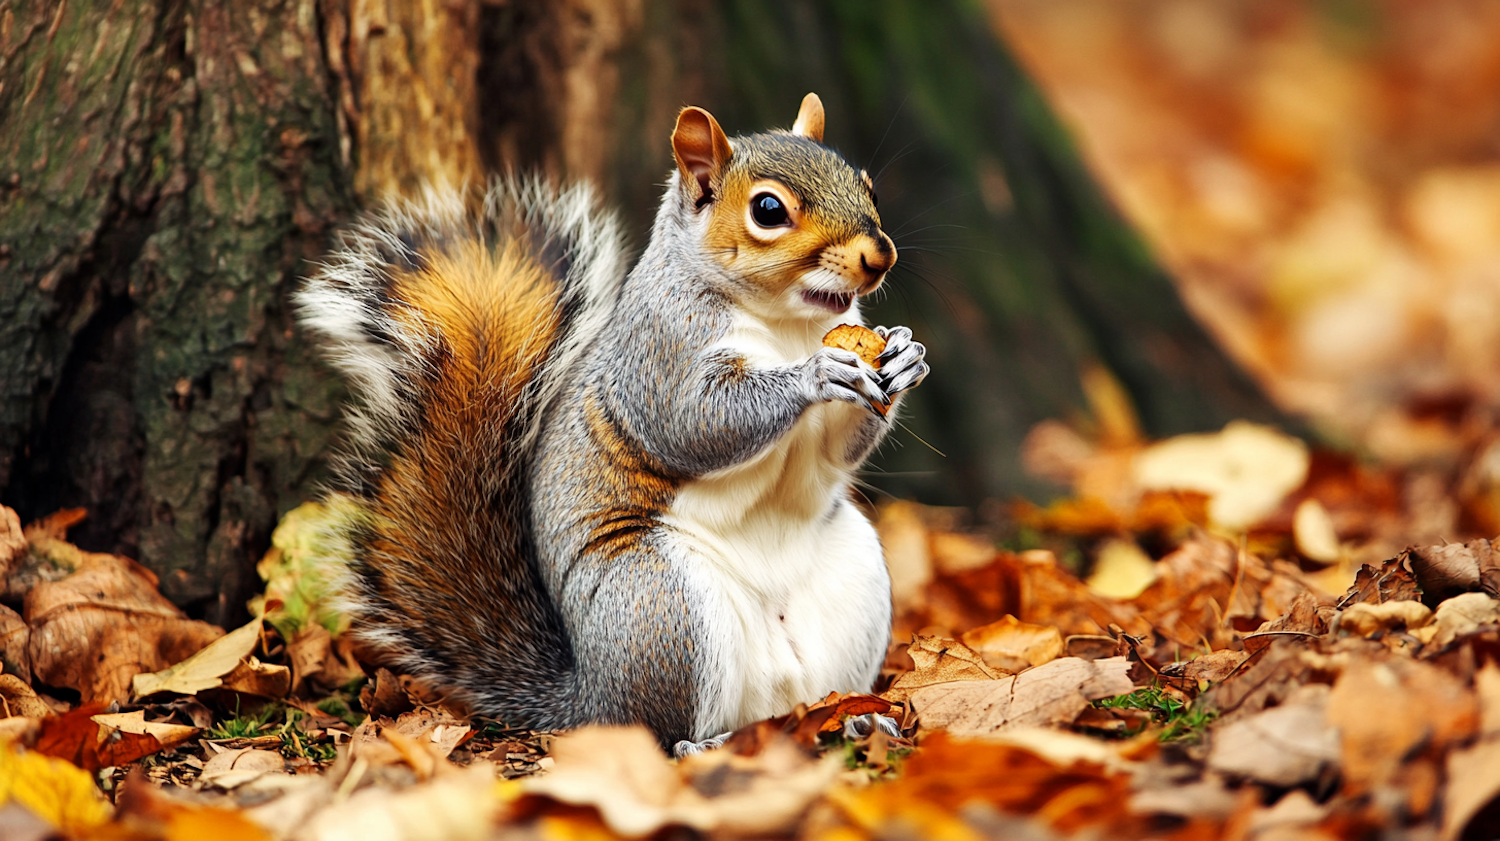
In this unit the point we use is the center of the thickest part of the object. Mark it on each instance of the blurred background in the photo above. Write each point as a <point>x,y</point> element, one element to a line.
<point>1119,220</point>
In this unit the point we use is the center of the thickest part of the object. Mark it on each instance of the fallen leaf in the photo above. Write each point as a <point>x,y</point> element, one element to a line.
<point>135,724</point>
<point>908,554</point>
<point>938,660</point>
<point>96,629</point>
<point>1365,619</point>
<point>1386,710</point>
<point>236,767</point>
<point>462,805</point>
<point>306,548</point>
<point>947,778</point>
<point>1049,694</point>
<point>316,661</point>
<point>1456,567</point>
<point>20,700</point>
<point>1463,615</point>
<point>1283,746</point>
<point>206,668</point>
<point>637,791</point>
<point>76,737</point>
<point>1122,570</point>
<point>264,680</point>
<point>148,812</point>
<point>1246,469</point>
<point>1204,669</point>
<point>12,541</point>
<point>1265,679</point>
<point>56,791</point>
<point>1314,532</point>
<point>1296,809</point>
<point>385,695</point>
<point>14,639</point>
<point>1389,582</point>
<point>1013,645</point>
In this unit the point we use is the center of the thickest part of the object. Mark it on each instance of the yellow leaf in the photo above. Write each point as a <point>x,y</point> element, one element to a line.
<point>54,790</point>
<point>1123,571</point>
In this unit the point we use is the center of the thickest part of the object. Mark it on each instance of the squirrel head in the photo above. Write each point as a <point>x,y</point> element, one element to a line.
<point>792,222</point>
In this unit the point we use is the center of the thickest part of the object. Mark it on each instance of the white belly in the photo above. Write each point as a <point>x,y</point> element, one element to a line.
<point>801,576</point>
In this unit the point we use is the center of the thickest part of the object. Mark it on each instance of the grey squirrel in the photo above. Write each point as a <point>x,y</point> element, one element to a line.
<point>576,496</point>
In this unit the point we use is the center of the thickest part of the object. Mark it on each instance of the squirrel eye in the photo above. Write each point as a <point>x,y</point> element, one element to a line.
<point>768,211</point>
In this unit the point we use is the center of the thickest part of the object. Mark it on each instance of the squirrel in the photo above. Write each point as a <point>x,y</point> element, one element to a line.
<point>574,495</point>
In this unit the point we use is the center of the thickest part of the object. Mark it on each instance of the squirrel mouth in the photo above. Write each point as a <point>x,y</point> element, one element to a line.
<point>831,301</point>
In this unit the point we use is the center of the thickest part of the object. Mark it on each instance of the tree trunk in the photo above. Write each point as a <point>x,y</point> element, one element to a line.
<point>170,165</point>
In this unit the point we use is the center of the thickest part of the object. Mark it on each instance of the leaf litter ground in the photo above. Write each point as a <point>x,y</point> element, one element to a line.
<point>1166,653</point>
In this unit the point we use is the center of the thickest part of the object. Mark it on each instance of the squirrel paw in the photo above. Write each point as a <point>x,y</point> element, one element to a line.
<point>686,748</point>
<point>835,374</point>
<point>859,726</point>
<point>903,362</point>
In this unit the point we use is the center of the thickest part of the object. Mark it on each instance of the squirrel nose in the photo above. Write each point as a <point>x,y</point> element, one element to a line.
<point>877,254</point>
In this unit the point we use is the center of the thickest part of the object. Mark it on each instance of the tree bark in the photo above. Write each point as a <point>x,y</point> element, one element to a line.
<point>170,166</point>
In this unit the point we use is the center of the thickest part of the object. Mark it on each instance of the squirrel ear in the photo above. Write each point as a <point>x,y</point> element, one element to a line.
<point>701,149</point>
<point>810,118</point>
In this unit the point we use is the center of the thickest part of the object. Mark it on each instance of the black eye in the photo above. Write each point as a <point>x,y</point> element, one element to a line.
<point>768,211</point>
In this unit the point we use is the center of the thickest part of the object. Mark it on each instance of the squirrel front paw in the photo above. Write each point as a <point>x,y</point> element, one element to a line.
<point>903,363</point>
<point>836,374</point>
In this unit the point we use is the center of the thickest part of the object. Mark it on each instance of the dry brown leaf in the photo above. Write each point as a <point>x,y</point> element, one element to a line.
<point>263,680</point>
<point>1473,788</point>
<point>438,731</point>
<point>908,554</point>
<point>1456,567</point>
<point>14,639</point>
<point>135,724</point>
<point>1391,581</point>
<point>206,668</point>
<point>238,766</point>
<point>1461,616</point>
<point>385,695</point>
<point>938,660</point>
<point>96,629</point>
<point>623,774</point>
<point>1364,619</point>
<point>1265,679</point>
<point>1013,645</point>
<point>461,805</point>
<point>954,553</point>
<point>148,812</point>
<point>76,737</point>
<point>19,699</point>
<point>1053,693</point>
<point>315,659</point>
<point>1387,709</point>
<point>943,782</point>
<point>12,541</point>
<point>1284,746</point>
<point>1246,469</point>
<point>1191,677</point>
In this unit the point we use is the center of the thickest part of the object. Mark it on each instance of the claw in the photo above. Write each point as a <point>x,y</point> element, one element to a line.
<point>687,748</point>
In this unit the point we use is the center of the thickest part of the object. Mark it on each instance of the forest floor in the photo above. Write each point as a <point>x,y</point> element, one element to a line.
<point>1217,636</point>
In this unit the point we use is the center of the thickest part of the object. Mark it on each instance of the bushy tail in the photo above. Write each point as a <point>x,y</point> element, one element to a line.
<point>454,320</point>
